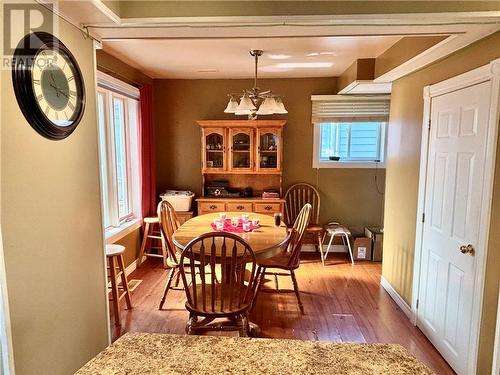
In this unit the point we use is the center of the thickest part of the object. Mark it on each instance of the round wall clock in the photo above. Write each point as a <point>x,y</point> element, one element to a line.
<point>48,84</point>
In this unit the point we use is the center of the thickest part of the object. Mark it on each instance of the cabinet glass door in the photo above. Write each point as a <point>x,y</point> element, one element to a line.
<point>269,149</point>
<point>241,149</point>
<point>214,150</point>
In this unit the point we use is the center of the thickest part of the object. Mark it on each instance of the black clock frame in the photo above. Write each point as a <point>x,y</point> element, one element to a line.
<point>22,69</point>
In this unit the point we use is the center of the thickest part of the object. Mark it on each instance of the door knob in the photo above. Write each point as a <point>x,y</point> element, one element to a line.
<point>467,249</point>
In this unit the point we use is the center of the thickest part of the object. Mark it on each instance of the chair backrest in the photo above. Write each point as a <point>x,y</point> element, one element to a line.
<point>169,223</point>
<point>224,254</point>
<point>296,197</point>
<point>297,235</point>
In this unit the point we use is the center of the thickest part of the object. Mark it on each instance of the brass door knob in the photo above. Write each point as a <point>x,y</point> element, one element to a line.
<point>467,249</point>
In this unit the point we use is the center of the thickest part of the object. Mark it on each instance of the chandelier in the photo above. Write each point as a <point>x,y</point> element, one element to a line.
<point>254,102</point>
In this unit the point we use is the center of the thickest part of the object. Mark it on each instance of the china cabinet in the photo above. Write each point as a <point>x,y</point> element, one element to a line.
<point>241,159</point>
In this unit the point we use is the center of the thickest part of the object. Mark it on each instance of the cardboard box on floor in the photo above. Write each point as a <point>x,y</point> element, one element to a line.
<point>376,235</point>
<point>362,248</point>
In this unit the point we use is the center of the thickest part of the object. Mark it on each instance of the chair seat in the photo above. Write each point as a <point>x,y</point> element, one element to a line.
<point>281,260</point>
<point>314,228</point>
<point>113,250</point>
<point>220,309</point>
<point>151,220</point>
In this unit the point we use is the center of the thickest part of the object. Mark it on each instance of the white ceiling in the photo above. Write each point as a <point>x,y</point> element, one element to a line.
<point>229,58</point>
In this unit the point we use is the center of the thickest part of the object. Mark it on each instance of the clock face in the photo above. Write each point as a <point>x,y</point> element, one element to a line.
<point>48,85</point>
<point>53,80</point>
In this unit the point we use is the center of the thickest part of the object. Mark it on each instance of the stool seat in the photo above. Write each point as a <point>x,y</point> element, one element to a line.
<point>337,229</point>
<point>152,220</point>
<point>113,250</point>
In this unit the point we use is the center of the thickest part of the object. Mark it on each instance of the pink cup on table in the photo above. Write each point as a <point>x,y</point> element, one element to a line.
<point>244,218</point>
<point>255,222</point>
<point>246,226</point>
<point>219,225</point>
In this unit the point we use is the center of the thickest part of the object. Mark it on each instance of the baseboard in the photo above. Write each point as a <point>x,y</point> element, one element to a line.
<point>397,298</point>
<point>131,267</point>
<point>307,248</point>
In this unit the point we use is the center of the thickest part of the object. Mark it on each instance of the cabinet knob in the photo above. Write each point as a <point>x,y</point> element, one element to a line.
<point>240,207</point>
<point>213,206</point>
<point>268,208</point>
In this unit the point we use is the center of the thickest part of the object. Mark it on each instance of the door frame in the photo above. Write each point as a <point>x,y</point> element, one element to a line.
<point>489,72</point>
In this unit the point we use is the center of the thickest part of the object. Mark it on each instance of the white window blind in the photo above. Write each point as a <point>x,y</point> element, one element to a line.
<point>350,108</point>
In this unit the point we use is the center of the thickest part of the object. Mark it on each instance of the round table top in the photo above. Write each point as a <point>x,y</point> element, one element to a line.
<point>264,241</point>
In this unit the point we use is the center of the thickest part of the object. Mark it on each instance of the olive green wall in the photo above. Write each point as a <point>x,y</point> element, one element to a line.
<point>52,232</point>
<point>133,9</point>
<point>403,157</point>
<point>348,195</point>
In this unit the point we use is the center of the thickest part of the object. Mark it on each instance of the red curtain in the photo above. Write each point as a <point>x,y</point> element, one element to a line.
<point>148,196</point>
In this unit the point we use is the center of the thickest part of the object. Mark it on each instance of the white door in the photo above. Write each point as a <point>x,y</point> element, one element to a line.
<point>454,188</point>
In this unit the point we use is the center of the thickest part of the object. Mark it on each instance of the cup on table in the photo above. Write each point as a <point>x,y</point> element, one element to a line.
<point>244,218</point>
<point>235,220</point>
<point>219,225</point>
<point>222,216</point>
<point>255,222</point>
<point>277,219</point>
<point>217,220</point>
<point>246,226</point>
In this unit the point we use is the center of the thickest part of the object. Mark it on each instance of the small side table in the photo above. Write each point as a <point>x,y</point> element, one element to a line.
<point>334,229</point>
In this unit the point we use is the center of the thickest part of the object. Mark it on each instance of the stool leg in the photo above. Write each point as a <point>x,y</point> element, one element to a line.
<point>350,249</point>
<point>114,290</point>
<point>144,243</point>
<point>328,248</point>
<point>124,282</point>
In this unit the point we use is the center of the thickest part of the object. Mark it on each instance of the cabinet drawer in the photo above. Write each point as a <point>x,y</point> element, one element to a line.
<point>267,207</point>
<point>204,207</point>
<point>239,206</point>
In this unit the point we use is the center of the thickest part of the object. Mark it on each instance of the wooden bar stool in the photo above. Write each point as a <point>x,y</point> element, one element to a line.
<point>152,233</point>
<point>115,261</point>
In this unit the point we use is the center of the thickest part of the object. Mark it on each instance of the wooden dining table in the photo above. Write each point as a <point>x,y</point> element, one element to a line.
<point>265,241</point>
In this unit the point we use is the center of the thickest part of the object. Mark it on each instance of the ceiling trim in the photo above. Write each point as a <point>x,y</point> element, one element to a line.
<point>440,50</point>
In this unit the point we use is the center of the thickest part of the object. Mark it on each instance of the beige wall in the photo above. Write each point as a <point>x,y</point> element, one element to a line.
<point>51,227</point>
<point>348,195</point>
<point>403,155</point>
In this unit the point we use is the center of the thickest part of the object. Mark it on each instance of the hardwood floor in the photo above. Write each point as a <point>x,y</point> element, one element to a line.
<point>342,303</point>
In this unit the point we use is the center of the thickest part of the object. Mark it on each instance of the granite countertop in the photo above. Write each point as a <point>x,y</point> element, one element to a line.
<point>147,353</point>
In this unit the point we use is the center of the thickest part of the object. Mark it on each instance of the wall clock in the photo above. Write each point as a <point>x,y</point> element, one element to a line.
<point>48,84</point>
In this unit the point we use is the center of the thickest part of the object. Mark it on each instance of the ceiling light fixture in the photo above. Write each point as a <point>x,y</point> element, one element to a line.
<point>254,102</point>
<point>279,57</point>
<point>304,65</point>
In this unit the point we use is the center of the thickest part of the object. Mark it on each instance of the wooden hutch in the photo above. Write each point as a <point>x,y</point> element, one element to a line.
<point>246,154</point>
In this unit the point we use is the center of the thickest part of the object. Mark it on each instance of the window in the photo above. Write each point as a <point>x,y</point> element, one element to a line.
<point>349,131</point>
<point>118,110</point>
<point>351,141</point>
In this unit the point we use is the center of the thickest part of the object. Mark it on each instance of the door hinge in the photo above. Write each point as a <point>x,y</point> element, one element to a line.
<point>423,217</point>
<point>429,125</point>
<point>416,304</point>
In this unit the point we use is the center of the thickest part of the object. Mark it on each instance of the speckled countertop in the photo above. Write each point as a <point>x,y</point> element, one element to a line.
<point>147,353</point>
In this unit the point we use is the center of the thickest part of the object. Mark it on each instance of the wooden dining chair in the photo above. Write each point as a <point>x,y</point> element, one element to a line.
<point>296,197</point>
<point>289,259</point>
<point>228,296</point>
<point>169,223</point>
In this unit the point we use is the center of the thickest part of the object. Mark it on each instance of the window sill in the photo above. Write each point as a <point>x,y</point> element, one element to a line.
<point>112,235</point>
<point>349,164</point>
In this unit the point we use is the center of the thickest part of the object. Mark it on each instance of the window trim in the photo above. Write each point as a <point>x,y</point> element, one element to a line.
<point>318,163</point>
<point>111,88</point>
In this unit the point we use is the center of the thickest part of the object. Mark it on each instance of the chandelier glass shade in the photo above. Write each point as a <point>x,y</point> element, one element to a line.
<point>254,102</point>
